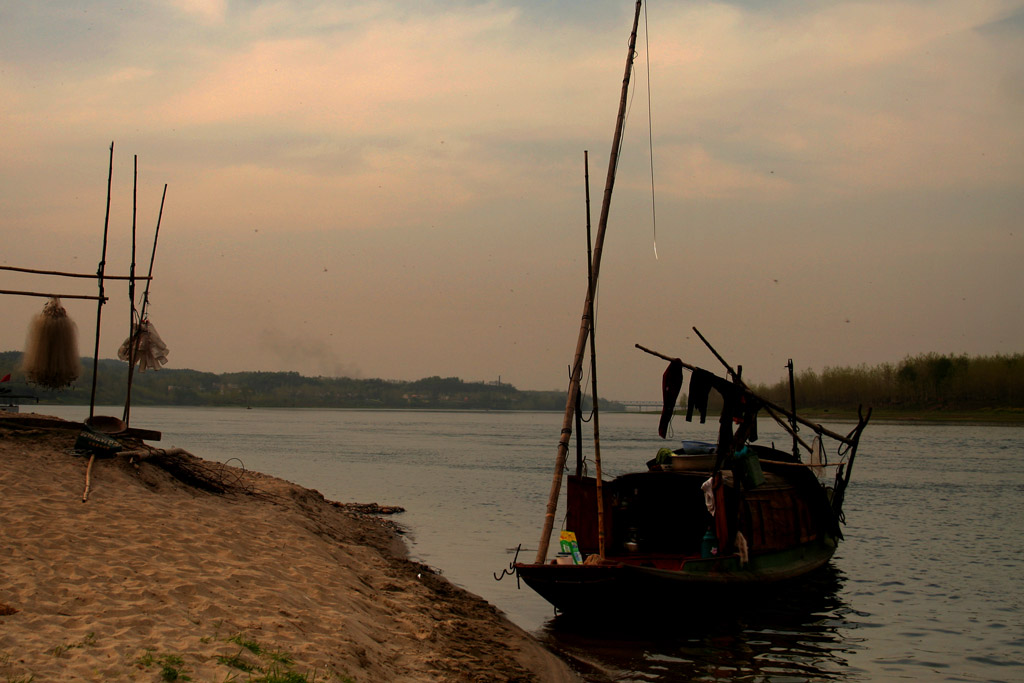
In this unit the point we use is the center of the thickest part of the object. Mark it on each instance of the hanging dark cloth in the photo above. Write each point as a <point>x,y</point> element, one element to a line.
<point>701,382</point>
<point>747,415</point>
<point>671,383</point>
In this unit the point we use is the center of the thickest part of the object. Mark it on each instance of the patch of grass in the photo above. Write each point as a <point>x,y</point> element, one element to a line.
<point>250,645</point>
<point>253,663</point>
<point>279,657</point>
<point>236,661</point>
<point>275,666</point>
<point>88,641</point>
<point>172,667</point>
<point>275,675</point>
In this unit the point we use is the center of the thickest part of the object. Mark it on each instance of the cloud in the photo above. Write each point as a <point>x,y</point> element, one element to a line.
<point>841,97</point>
<point>205,11</point>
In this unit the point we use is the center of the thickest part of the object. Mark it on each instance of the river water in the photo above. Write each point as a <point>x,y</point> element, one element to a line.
<point>928,585</point>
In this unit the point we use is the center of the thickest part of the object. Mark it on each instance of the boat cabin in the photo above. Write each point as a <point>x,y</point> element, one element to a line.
<point>660,517</point>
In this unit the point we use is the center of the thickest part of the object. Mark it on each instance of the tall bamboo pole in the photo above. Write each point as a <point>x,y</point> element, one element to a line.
<point>593,375</point>
<point>581,341</point>
<point>134,343</point>
<point>131,290</point>
<point>99,277</point>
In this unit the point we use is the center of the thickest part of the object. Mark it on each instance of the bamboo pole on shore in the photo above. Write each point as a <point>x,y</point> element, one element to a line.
<point>50,295</point>
<point>135,341</point>
<point>89,276</point>
<point>99,277</point>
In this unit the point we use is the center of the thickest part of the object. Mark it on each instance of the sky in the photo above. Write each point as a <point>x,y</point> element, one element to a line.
<point>396,190</point>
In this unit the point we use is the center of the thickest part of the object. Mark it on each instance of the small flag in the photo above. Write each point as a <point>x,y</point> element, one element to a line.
<point>6,378</point>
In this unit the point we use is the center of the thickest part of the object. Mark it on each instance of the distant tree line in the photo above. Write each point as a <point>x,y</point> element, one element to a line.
<point>927,382</point>
<point>281,389</point>
<point>924,382</point>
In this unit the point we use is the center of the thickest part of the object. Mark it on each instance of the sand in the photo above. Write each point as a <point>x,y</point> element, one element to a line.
<point>154,577</point>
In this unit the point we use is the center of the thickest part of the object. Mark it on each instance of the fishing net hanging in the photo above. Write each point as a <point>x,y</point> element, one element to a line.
<point>150,350</point>
<point>51,350</point>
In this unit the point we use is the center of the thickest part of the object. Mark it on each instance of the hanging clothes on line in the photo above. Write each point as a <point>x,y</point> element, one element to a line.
<point>671,383</point>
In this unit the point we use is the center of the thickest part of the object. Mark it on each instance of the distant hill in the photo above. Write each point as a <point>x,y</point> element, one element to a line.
<point>282,389</point>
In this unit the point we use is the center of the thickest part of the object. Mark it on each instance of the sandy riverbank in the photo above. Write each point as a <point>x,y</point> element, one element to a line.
<point>154,576</point>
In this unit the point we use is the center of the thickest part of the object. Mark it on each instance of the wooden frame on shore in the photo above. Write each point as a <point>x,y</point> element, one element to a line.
<point>100,298</point>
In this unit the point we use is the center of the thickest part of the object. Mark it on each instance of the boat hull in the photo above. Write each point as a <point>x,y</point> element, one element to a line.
<point>631,584</point>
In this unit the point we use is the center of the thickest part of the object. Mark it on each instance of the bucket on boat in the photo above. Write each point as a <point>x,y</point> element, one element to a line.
<point>748,468</point>
<point>709,545</point>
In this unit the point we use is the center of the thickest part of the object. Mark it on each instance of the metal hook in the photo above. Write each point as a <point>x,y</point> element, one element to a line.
<point>511,568</point>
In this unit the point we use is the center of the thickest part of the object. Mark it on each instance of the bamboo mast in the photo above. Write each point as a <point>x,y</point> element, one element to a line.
<point>792,408</point>
<point>581,342</point>
<point>593,374</point>
<point>99,277</point>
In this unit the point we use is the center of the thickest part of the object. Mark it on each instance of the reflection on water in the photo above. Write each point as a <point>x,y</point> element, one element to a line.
<point>787,632</point>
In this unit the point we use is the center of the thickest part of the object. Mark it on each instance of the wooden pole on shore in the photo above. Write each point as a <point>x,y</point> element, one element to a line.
<point>50,295</point>
<point>132,351</point>
<point>89,276</point>
<point>581,341</point>
<point>99,278</point>
<point>134,342</point>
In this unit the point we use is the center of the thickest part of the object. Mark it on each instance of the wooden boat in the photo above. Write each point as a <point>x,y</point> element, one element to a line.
<point>738,515</point>
<point>684,530</point>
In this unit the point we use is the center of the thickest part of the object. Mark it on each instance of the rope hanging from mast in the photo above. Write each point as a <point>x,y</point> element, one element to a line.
<point>650,133</point>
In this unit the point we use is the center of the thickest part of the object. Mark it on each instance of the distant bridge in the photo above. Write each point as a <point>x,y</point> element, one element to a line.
<point>641,405</point>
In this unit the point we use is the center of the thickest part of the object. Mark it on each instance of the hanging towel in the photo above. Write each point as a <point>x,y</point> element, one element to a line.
<point>671,383</point>
<point>700,386</point>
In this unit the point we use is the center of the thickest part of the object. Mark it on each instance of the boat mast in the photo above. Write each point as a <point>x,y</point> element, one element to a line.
<point>593,373</point>
<point>792,408</point>
<point>581,342</point>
